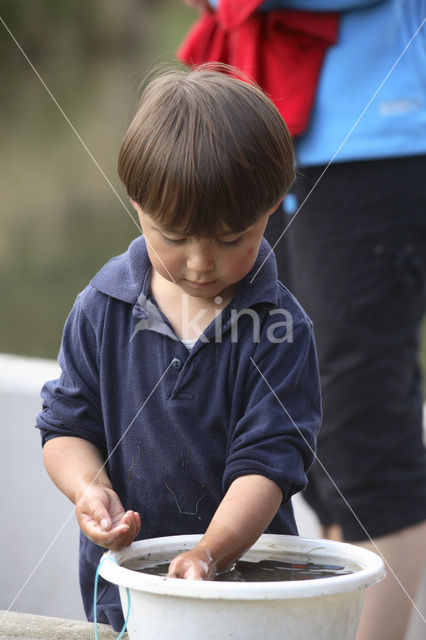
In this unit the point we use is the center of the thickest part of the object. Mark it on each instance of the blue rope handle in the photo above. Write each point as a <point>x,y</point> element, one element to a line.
<point>95,598</point>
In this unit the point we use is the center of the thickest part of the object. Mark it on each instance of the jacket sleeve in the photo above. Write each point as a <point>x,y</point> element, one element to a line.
<point>71,404</point>
<point>276,433</point>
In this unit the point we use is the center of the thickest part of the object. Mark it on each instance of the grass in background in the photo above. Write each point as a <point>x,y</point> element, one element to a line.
<point>60,221</point>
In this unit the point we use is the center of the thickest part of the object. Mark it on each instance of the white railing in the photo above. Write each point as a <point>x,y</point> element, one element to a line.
<point>39,565</point>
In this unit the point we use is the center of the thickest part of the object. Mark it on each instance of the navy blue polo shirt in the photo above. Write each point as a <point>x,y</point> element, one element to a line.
<point>177,425</point>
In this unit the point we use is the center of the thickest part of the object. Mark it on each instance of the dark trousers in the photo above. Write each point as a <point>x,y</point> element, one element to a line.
<point>355,257</point>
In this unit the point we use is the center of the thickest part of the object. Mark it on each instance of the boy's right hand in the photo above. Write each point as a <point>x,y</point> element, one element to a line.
<point>103,520</point>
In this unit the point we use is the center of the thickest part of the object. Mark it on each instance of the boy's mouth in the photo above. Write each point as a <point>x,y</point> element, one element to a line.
<point>201,285</point>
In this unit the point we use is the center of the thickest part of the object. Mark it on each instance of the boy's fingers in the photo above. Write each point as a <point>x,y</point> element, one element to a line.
<point>127,518</point>
<point>133,520</point>
<point>191,566</point>
<point>99,528</point>
<point>123,539</point>
<point>112,539</point>
<point>192,573</point>
<point>178,568</point>
<point>102,518</point>
<point>120,535</point>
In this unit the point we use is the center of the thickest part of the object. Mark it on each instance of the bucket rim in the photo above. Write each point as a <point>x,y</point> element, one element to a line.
<point>371,569</point>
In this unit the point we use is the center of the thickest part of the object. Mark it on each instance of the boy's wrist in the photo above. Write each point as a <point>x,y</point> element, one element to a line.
<point>219,547</point>
<point>204,554</point>
<point>85,484</point>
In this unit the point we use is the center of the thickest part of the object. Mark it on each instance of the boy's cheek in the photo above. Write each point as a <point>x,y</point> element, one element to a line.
<point>240,265</point>
<point>164,265</point>
<point>252,254</point>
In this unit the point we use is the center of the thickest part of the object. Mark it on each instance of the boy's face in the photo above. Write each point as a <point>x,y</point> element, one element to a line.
<point>202,267</point>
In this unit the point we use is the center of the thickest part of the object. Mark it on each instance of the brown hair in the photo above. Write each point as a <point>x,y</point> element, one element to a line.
<point>206,151</point>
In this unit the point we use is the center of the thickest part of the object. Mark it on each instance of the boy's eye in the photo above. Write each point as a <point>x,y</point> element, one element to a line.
<point>230,243</point>
<point>176,241</point>
<point>173,240</point>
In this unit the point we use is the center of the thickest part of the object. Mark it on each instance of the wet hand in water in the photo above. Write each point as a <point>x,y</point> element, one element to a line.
<point>103,520</point>
<point>196,564</point>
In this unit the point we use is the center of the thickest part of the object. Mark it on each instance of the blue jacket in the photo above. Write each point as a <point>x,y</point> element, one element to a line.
<point>178,426</point>
<point>372,36</point>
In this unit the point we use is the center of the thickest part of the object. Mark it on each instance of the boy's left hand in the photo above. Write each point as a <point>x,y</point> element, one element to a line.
<point>196,564</point>
<point>244,513</point>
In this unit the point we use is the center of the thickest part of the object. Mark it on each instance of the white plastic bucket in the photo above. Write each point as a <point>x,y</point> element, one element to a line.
<point>164,608</point>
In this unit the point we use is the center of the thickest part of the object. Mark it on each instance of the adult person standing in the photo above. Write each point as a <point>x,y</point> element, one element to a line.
<point>357,255</point>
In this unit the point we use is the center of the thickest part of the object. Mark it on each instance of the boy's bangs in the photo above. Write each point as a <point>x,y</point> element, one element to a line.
<point>209,183</point>
<point>196,221</point>
<point>206,154</point>
<point>197,205</point>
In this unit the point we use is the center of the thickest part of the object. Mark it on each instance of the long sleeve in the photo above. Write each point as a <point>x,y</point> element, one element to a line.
<point>71,404</point>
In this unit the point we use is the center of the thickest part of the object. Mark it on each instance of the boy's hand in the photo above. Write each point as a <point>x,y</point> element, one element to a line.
<point>244,513</point>
<point>196,564</point>
<point>102,519</point>
<point>77,468</point>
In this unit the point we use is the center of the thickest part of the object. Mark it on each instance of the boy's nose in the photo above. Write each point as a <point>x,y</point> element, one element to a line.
<point>200,261</point>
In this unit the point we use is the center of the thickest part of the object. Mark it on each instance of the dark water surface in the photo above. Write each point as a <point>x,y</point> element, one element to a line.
<point>265,570</point>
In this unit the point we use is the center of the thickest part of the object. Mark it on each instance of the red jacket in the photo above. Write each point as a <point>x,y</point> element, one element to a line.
<point>281,50</point>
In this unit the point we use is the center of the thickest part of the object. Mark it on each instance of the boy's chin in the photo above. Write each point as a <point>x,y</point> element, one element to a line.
<point>210,291</point>
<point>200,293</point>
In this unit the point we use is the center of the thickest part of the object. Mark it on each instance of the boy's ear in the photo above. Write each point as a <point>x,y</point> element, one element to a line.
<point>275,207</point>
<point>135,206</point>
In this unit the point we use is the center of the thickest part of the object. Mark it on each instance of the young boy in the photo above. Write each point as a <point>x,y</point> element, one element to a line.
<point>189,396</point>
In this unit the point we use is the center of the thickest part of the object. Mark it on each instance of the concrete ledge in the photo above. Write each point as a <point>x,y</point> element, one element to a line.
<point>29,627</point>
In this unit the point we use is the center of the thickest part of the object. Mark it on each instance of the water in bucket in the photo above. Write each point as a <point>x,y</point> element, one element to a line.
<point>264,570</point>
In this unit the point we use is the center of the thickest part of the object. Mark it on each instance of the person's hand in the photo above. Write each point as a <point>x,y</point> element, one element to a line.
<point>103,520</point>
<point>245,511</point>
<point>199,5</point>
<point>196,564</point>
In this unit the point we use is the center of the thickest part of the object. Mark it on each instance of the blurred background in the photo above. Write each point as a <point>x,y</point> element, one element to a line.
<point>60,221</point>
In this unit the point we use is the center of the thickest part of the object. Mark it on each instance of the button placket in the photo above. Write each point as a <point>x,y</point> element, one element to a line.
<point>187,370</point>
<point>177,364</point>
